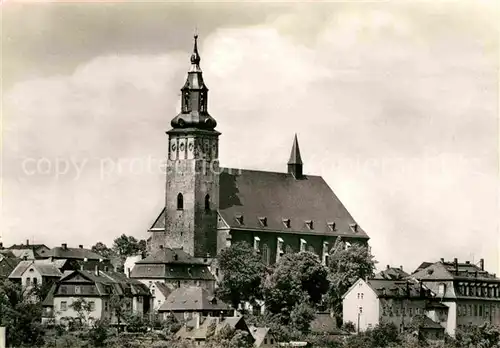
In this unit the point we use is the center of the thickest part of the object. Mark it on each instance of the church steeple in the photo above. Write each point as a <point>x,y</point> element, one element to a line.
<point>194,102</point>
<point>295,162</point>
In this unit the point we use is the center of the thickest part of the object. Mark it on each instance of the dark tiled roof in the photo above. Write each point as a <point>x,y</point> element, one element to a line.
<point>159,222</point>
<point>424,322</point>
<point>278,196</point>
<point>258,333</point>
<point>163,288</point>
<point>7,265</point>
<point>449,271</point>
<point>392,273</point>
<point>395,288</point>
<point>49,299</point>
<point>171,271</point>
<point>190,331</point>
<point>108,282</point>
<point>192,298</point>
<point>324,323</point>
<point>170,256</point>
<point>73,253</point>
<point>44,267</point>
<point>28,246</point>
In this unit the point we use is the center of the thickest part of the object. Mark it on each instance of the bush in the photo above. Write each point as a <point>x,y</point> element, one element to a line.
<point>98,333</point>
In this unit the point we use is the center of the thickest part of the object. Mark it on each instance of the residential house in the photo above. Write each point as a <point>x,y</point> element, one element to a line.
<point>174,268</point>
<point>83,258</point>
<point>471,294</point>
<point>29,251</point>
<point>196,329</point>
<point>427,329</point>
<point>187,302</point>
<point>7,263</point>
<point>33,273</point>
<point>263,338</point>
<point>97,288</point>
<point>367,303</point>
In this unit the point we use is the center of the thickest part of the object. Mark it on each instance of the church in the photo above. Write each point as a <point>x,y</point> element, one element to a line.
<point>208,207</point>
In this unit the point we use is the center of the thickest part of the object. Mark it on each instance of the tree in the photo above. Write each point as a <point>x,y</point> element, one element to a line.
<point>118,305</point>
<point>297,280</point>
<point>98,333</point>
<point>101,249</point>
<point>483,336</point>
<point>242,274</point>
<point>346,266</point>
<point>83,308</point>
<point>227,337</point>
<point>126,246</point>
<point>20,315</point>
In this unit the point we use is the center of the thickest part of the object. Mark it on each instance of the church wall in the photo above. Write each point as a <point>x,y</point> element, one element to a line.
<point>291,241</point>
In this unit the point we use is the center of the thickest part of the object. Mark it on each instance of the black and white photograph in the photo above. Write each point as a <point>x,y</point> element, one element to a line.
<point>250,174</point>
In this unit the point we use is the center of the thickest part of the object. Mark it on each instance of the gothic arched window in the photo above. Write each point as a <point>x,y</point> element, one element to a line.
<point>180,202</point>
<point>266,256</point>
<point>207,203</point>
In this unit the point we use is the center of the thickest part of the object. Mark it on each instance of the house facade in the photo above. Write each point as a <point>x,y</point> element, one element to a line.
<point>36,273</point>
<point>208,207</point>
<point>188,302</point>
<point>471,294</point>
<point>368,303</point>
<point>97,289</point>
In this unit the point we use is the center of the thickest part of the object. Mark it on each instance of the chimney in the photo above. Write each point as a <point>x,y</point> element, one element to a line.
<point>81,267</point>
<point>64,246</point>
<point>401,267</point>
<point>481,264</point>
<point>455,263</point>
<point>80,246</point>
<point>388,267</point>
<point>27,242</point>
<point>1,245</point>
<point>442,260</point>
<point>143,255</point>
<point>96,270</point>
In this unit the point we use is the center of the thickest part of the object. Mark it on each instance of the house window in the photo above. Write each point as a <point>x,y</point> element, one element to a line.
<point>78,290</point>
<point>28,281</point>
<point>256,243</point>
<point>475,310</point>
<point>362,294</point>
<point>288,249</point>
<point>178,283</point>
<point>92,306</point>
<point>197,283</point>
<point>180,202</point>
<point>35,281</point>
<point>105,306</point>
<point>441,289</point>
<point>280,248</point>
<point>303,245</point>
<point>64,305</point>
<point>325,253</point>
<point>360,310</point>
<point>207,203</point>
<point>480,310</point>
<point>265,254</point>
<point>265,340</point>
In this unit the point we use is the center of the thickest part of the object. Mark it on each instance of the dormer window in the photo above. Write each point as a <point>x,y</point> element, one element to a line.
<point>331,226</point>
<point>263,221</point>
<point>256,243</point>
<point>309,224</point>
<point>354,227</point>
<point>303,245</point>
<point>286,222</point>
<point>239,218</point>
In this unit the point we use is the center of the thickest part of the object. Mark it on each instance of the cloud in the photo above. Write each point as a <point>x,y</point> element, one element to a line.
<point>396,111</point>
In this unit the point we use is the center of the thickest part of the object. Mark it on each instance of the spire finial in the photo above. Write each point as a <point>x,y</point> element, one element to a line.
<point>195,57</point>
<point>295,162</point>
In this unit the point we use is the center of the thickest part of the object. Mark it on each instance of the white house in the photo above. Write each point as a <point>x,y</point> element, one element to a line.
<point>367,303</point>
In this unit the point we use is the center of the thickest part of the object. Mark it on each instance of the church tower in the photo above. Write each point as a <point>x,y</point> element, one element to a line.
<point>192,183</point>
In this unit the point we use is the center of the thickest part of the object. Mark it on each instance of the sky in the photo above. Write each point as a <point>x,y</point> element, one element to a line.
<point>395,104</point>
